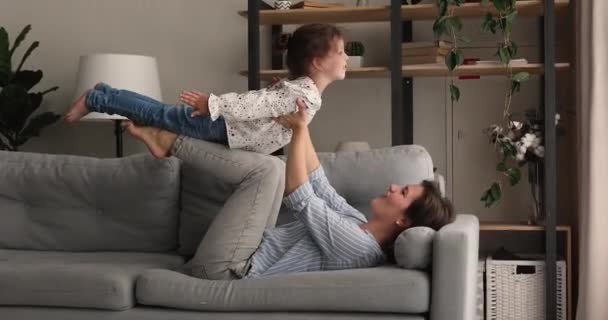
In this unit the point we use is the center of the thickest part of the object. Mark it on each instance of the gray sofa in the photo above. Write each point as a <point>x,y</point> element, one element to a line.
<point>86,238</point>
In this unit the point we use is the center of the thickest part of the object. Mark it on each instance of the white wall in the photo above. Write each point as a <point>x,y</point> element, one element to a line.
<point>198,44</point>
<point>203,45</point>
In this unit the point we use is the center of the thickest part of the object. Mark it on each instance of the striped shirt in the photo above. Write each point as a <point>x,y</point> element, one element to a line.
<point>248,115</point>
<point>325,236</point>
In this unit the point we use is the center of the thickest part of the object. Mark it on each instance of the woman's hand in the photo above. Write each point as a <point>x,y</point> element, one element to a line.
<point>296,120</point>
<point>197,100</point>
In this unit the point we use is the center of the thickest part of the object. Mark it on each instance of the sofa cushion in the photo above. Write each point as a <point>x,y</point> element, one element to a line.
<point>399,164</point>
<point>381,289</point>
<point>103,280</point>
<point>73,203</point>
<point>413,248</point>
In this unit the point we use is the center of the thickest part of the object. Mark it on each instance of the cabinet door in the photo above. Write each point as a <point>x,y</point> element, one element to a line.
<point>474,159</point>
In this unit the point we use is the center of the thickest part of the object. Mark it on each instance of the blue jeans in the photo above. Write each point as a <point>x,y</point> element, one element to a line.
<point>147,111</point>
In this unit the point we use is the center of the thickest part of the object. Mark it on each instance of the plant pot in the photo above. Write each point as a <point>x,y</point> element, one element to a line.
<point>354,62</point>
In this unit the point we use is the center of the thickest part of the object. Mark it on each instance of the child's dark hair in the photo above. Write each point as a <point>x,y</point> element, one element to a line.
<point>306,43</point>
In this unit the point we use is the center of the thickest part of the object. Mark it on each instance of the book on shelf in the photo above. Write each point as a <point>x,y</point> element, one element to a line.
<point>316,5</point>
<point>515,62</point>
<point>422,59</point>
<point>424,51</point>
<point>427,44</point>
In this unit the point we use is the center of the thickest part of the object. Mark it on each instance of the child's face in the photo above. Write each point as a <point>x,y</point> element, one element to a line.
<point>333,65</point>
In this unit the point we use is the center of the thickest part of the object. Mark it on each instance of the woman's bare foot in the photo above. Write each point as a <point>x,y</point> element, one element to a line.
<point>78,109</point>
<point>158,141</point>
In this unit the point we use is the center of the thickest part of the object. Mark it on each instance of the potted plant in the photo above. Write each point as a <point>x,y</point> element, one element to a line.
<point>17,103</point>
<point>355,51</point>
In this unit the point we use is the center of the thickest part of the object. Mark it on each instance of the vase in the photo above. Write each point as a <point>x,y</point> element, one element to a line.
<point>537,216</point>
<point>282,4</point>
<point>354,62</point>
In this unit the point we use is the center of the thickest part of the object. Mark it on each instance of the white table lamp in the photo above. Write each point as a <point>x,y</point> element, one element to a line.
<point>122,71</point>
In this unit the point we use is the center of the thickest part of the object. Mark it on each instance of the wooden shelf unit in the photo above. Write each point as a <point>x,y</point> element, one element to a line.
<point>529,8</point>
<point>425,70</point>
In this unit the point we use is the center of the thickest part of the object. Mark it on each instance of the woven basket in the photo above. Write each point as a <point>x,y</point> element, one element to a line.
<point>515,290</point>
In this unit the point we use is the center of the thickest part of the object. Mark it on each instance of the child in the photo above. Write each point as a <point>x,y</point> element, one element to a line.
<point>315,58</point>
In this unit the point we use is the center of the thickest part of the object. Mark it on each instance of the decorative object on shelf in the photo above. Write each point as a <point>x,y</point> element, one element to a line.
<point>316,5</point>
<point>282,4</point>
<point>424,52</point>
<point>353,146</point>
<point>362,3</point>
<point>125,71</point>
<point>513,138</point>
<point>520,144</point>
<point>17,104</point>
<point>355,51</point>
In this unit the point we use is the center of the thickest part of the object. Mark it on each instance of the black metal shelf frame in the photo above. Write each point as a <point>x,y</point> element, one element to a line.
<point>403,112</point>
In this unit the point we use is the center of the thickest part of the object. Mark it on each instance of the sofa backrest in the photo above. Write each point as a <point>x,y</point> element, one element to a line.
<point>361,176</point>
<point>74,203</point>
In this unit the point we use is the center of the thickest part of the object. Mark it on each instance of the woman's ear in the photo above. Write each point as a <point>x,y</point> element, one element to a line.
<point>403,222</point>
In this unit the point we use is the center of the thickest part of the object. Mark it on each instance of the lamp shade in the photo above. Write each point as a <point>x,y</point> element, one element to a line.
<point>122,71</point>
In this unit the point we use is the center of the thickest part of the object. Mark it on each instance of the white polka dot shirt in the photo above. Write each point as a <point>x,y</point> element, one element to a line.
<point>248,115</point>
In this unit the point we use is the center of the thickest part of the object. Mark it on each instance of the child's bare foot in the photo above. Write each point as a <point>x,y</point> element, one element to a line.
<point>158,141</point>
<point>78,109</point>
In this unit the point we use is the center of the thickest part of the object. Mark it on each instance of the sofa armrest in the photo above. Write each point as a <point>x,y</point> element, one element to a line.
<point>455,254</point>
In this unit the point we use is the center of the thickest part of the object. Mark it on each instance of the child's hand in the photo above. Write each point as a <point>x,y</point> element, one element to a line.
<point>296,120</point>
<point>197,100</point>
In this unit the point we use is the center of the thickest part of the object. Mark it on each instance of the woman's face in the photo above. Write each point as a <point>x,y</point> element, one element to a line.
<point>391,205</point>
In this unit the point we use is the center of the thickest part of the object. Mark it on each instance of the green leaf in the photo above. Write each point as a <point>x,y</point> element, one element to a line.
<point>495,191</point>
<point>486,22</point>
<point>501,167</point>
<point>454,22</point>
<point>512,47</point>
<point>443,7</point>
<point>514,175</point>
<point>29,51</point>
<point>491,195</point>
<point>35,125</point>
<point>503,55</point>
<point>501,5</point>
<point>439,26</point>
<point>5,58</point>
<point>14,101</point>
<point>515,86</point>
<point>20,38</point>
<point>511,15</point>
<point>27,79</point>
<point>521,77</point>
<point>454,92</point>
<point>504,25</point>
<point>459,57</point>
<point>464,38</point>
<point>451,60</point>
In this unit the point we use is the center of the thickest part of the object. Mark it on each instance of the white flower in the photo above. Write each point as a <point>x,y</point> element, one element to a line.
<point>511,135</point>
<point>521,148</point>
<point>520,156</point>
<point>557,117</point>
<point>517,125</point>
<point>528,139</point>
